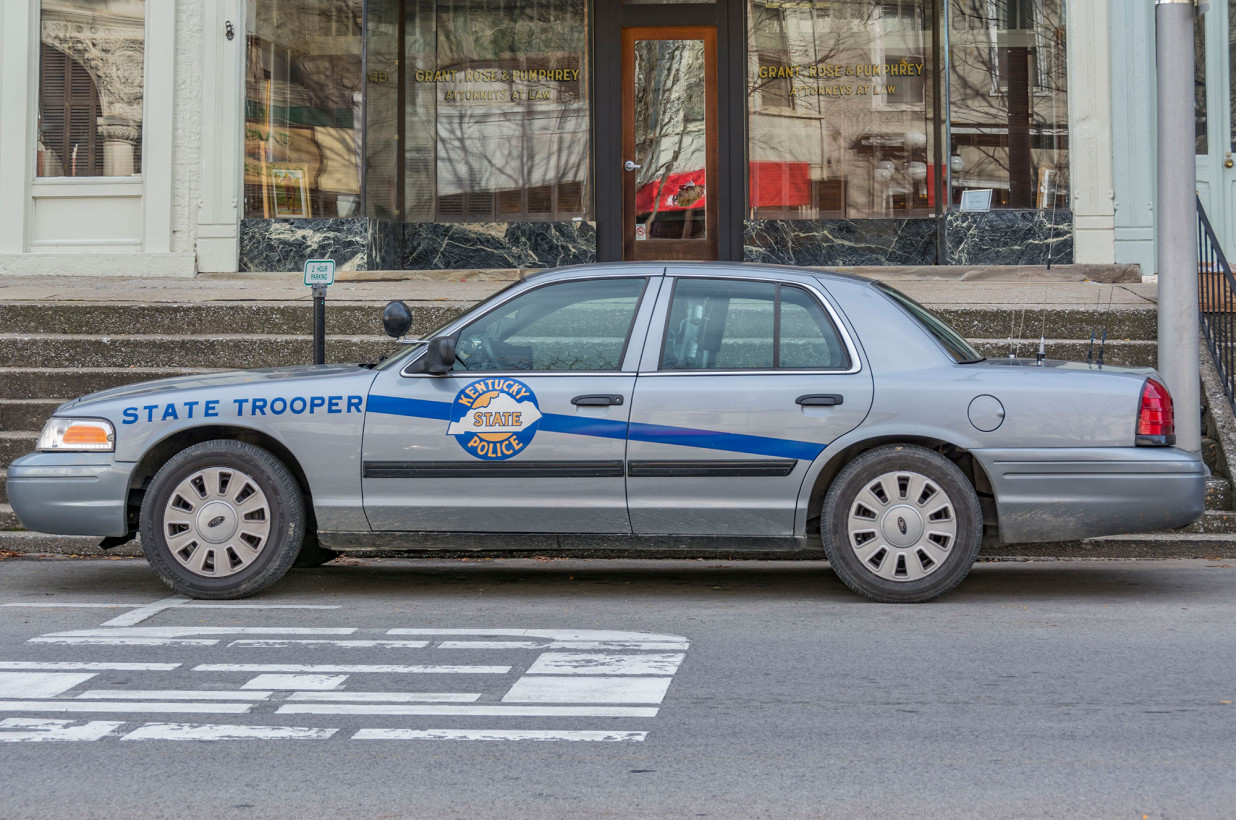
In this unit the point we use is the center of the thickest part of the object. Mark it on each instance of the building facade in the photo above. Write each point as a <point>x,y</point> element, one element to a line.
<point>168,137</point>
<point>1134,104</point>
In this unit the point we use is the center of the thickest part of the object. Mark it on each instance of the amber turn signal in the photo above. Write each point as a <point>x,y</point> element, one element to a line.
<point>77,435</point>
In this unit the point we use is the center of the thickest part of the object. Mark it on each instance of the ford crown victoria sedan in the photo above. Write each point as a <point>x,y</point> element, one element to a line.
<point>667,406</point>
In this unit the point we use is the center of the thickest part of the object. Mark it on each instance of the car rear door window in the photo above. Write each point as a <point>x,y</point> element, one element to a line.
<point>571,326</point>
<point>727,324</point>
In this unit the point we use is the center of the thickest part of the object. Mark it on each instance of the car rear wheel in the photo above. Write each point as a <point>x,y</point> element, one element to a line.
<point>222,519</point>
<point>901,524</point>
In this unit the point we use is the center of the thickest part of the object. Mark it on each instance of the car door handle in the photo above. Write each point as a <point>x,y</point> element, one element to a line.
<point>820,400</point>
<point>596,400</point>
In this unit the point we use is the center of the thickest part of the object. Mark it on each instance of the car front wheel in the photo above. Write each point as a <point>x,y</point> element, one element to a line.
<point>222,519</point>
<point>901,524</point>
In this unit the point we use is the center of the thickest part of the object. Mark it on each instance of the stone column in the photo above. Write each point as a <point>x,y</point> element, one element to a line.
<point>120,140</point>
<point>1090,132</point>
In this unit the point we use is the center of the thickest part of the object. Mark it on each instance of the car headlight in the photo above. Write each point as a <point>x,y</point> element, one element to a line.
<point>77,436</point>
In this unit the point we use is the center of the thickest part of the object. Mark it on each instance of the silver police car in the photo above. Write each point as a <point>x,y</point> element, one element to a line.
<point>667,406</point>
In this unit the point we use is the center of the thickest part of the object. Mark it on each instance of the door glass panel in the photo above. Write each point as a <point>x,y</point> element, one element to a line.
<point>1231,66</point>
<point>1200,113</point>
<point>733,325</point>
<point>808,338</point>
<point>840,110</point>
<point>670,139</point>
<point>717,324</point>
<point>571,326</point>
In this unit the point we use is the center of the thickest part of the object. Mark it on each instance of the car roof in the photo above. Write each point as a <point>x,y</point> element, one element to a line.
<point>736,270</point>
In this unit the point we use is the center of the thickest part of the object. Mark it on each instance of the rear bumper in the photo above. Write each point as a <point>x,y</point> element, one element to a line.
<point>71,493</point>
<point>1062,494</point>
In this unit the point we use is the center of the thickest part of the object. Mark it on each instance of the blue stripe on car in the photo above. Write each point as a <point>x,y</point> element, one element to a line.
<point>604,428</point>
<point>416,408</point>
<point>731,442</point>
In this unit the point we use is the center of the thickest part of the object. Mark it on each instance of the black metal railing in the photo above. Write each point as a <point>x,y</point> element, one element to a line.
<point>1217,298</point>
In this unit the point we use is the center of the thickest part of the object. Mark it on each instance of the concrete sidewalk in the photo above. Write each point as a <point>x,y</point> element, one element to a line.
<point>1030,291</point>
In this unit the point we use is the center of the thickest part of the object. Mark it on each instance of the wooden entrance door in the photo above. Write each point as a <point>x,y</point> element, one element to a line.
<point>670,182</point>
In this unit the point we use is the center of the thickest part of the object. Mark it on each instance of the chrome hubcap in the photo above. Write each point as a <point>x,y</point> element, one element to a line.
<point>902,526</point>
<point>216,522</point>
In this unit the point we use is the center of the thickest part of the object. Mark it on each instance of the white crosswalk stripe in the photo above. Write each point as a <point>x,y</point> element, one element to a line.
<point>569,685</point>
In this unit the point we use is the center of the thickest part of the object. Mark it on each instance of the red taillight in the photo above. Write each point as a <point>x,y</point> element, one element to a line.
<point>1156,420</point>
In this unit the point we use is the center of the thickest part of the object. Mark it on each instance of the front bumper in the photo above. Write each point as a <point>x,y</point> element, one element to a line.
<point>71,493</point>
<point>1063,494</point>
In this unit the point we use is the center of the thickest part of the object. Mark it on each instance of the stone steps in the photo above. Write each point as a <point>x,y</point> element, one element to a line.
<point>8,519</point>
<point>204,319</point>
<point>365,319</point>
<point>14,444</point>
<point>1218,493</point>
<point>61,384</point>
<point>1214,522</point>
<point>26,414</point>
<point>1129,324</point>
<point>1118,353</point>
<point>237,351</point>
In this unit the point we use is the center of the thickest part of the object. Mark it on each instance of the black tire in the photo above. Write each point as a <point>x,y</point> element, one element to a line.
<point>932,539</point>
<point>312,554</point>
<point>266,521</point>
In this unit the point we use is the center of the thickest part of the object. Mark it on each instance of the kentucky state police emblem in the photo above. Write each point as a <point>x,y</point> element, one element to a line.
<point>493,419</point>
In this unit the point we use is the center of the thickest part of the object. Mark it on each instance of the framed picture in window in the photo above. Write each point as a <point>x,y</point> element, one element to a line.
<point>976,199</point>
<point>289,187</point>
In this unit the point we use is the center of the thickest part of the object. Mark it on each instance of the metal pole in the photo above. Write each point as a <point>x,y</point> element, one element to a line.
<point>319,324</point>
<point>1177,220</point>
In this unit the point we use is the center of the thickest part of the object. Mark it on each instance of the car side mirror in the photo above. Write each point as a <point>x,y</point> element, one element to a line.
<point>440,356</point>
<point>396,319</point>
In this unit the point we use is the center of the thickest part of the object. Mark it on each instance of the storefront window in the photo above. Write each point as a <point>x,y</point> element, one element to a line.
<point>496,110</point>
<point>1008,102</point>
<point>90,88</point>
<point>303,109</point>
<point>383,111</point>
<point>839,108</point>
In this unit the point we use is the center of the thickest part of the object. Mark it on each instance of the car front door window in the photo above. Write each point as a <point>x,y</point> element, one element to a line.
<point>571,326</point>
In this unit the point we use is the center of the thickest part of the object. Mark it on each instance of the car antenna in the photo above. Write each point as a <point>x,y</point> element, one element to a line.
<point>1051,243</point>
<point>1043,321</point>
<point>1098,300</point>
<point>1012,329</point>
<point>1021,326</point>
<point>1051,232</point>
<point>1106,313</point>
<point>1042,355</point>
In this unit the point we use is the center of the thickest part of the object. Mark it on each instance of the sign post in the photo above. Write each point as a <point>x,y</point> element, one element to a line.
<point>1176,219</point>
<point>319,274</point>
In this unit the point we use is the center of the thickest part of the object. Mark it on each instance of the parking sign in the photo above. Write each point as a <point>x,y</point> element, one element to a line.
<point>320,272</point>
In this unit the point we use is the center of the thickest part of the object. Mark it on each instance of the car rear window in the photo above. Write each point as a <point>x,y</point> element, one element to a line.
<point>957,347</point>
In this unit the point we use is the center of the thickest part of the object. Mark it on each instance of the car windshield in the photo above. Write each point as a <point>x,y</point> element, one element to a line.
<point>957,347</point>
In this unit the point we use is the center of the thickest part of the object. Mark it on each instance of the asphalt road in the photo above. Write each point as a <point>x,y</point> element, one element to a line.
<point>517,688</point>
